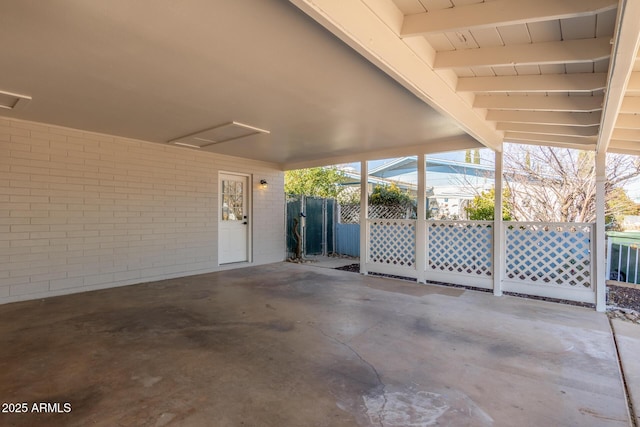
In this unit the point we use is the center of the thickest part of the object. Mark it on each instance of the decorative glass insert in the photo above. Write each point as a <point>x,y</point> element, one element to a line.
<point>232,200</point>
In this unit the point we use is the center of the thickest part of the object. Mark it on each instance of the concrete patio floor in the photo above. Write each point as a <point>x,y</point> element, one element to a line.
<point>297,345</point>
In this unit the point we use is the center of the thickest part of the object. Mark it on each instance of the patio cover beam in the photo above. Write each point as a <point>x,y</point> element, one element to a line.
<point>628,121</point>
<point>372,29</point>
<point>634,84</point>
<point>630,105</point>
<point>545,117</point>
<point>498,13</point>
<point>625,51</point>
<point>549,129</point>
<point>556,52</point>
<point>540,103</point>
<point>562,140</point>
<point>462,142</point>
<point>626,135</point>
<point>583,82</point>
<point>624,147</point>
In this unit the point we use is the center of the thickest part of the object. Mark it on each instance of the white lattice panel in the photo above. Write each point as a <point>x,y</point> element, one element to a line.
<point>392,242</point>
<point>464,247</point>
<point>557,254</point>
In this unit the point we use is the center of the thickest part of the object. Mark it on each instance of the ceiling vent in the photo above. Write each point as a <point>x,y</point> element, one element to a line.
<point>13,101</point>
<point>218,134</point>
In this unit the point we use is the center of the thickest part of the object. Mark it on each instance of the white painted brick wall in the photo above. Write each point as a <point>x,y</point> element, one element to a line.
<point>82,211</point>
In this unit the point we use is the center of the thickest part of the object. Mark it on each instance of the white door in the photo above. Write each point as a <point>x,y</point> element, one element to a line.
<point>233,222</point>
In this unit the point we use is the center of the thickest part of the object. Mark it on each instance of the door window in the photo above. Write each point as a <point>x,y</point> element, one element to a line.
<point>232,200</point>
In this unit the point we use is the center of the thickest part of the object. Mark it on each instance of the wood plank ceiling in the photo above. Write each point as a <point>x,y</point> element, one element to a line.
<point>564,73</point>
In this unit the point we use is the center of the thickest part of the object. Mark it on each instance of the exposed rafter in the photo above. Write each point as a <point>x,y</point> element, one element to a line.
<point>499,13</point>
<point>556,52</point>
<point>369,28</point>
<point>634,84</point>
<point>583,82</point>
<point>626,135</point>
<point>549,129</point>
<point>625,147</point>
<point>630,105</point>
<point>625,51</point>
<point>584,142</point>
<point>540,103</point>
<point>628,121</point>
<point>545,117</point>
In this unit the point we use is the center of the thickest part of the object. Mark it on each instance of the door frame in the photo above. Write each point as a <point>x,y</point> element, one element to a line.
<point>248,209</point>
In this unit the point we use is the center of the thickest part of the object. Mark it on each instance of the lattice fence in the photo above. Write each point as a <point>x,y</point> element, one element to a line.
<point>554,254</point>
<point>350,213</point>
<point>460,247</point>
<point>392,242</point>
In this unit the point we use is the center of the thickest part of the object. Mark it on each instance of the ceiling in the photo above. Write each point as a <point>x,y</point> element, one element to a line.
<point>548,72</point>
<point>390,77</point>
<point>159,70</point>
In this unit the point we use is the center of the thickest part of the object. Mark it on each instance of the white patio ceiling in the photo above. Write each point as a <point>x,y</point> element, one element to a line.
<point>531,71</point>
<point>547,72</point>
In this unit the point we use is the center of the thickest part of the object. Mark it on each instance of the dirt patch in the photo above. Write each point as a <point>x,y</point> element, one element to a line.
<point>623,297</point>
<point>623,303</point>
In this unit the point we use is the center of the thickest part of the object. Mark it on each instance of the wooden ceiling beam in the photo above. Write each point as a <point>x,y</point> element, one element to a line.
<point>551,140</point>
<point>630,105</point>
<point>555,52</point>
<point>633,88</point>
<point>580,131</point>
<point>626,135</point>
<point>628,121</point>
<point>616,145</point>
<point>579,82</point>
<point>545,117</point>
<point>626,42</point>
<point>540,103</point>
<point>498,13</point>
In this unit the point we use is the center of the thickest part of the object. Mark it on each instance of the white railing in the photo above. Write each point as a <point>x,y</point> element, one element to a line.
<point>460,252</point>
<point>545,259</point>
<point>623,262</point>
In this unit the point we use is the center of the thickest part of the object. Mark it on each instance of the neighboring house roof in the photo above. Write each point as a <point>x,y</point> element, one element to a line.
<point>405,165</point>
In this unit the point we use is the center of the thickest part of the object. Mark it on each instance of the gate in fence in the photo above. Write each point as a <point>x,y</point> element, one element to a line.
<point>310,224</point>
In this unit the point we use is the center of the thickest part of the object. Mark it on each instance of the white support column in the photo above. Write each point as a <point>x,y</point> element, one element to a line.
<point>364,208</point>
<point>600,237</point>
<point>421,225</point>
<point>498,234</point>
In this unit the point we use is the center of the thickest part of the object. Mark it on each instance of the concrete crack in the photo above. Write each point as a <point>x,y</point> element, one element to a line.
<point>625,384</point>
<point>366,362</point>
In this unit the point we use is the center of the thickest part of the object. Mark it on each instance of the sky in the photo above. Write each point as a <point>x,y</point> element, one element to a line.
<point>632,187</point>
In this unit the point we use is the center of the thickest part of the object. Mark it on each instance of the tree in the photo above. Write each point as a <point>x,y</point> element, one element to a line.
<point>619,205</point>
<point>320,182</point>
<point>389,195</point>
<point>481,208</point>
<point>558,185</point>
